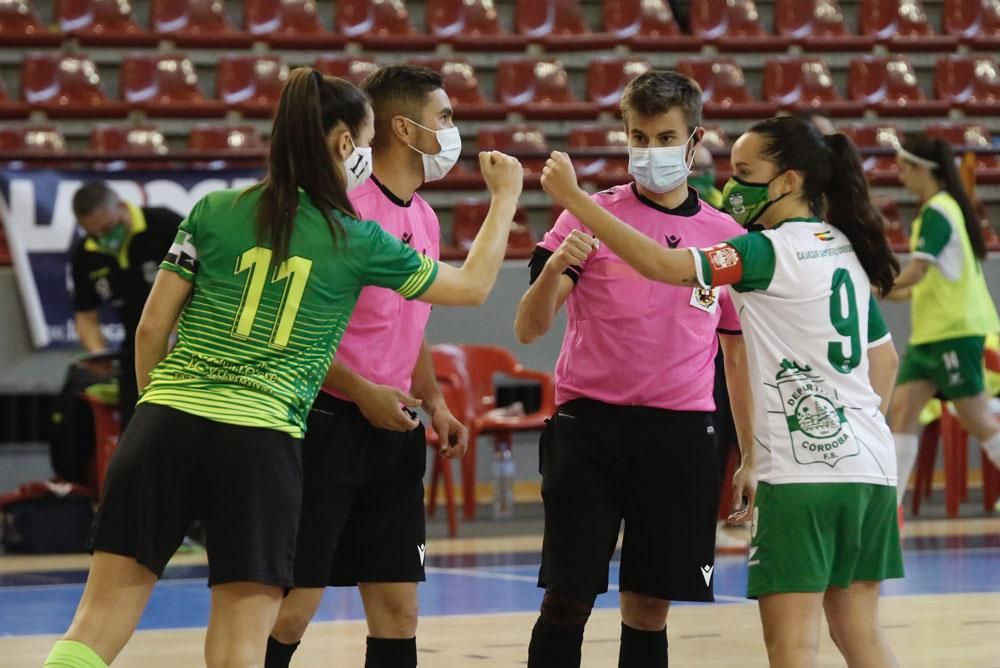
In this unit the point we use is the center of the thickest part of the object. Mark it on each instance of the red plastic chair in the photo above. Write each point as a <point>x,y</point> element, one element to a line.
<point>967,136</point>
<point>21,25</point>
<point>102,22</point>
<point>66,86</point>
<point>234,140</point>
<point>604,172</point>
<point>33,140</point>
<point>895,233</point>
<point>467,219</point>
<point>134,140</point>
<point>480,365</point>
<point>165,85</point>
<point>607,78</point>
<point>456,398</point>
<point>355,70</point>
<point>517,140</point>
<point>107,431</point>
<point>647,25</point>
<point>879,168</point>
<point>288,24</point>
<point>196,23</point>
<point>558,25</point>
<point>462,86</point>
<point>717,141</point>
<point>973,84</point>
<point>251,85</point>
<point>11,108</point>
<point>470,25</point>
<point>902,25</point>
<point>955,442</point>
<point>539,89</point>
<point>890,86</point>
<point>990,235</point>
<point>724,90</point>
<point>817,25</point>
<point>802,83</point>
<point>975,22</point>
<point>733,25</point>
<point>380,25</point>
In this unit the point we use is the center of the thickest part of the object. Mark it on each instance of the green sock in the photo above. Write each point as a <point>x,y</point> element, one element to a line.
<point>72,654</point>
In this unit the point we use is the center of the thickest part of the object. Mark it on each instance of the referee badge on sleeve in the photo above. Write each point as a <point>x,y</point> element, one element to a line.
<point>705,299</point>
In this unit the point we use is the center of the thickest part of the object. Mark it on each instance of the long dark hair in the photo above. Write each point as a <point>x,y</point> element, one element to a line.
<point>940,153</point>
<point>311,105</point>
<point>834,185</point>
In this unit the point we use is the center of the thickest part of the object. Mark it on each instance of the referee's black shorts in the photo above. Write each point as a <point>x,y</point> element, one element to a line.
<point>363,506</point>
<point>654,469</point>
<point>172,467</point>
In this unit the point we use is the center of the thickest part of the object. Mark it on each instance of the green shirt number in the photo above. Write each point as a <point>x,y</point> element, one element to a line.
<point>844,317</point>
<point>294,271</point>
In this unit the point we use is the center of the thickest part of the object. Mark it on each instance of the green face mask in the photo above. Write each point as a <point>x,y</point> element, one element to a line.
<point>703,183</point>
<point>113,240</point>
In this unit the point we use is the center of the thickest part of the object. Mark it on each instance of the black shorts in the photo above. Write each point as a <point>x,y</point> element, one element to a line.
<point>363,505</point>
<point>656,470</point>
<point>172,467</point>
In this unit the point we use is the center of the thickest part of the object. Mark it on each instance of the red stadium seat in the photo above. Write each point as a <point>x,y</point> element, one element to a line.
<point>467,218</point>
<point>34,140</point>
<point>805,83</point>
<point>990,235</point>
<point>724,89</point>
<point>462,86</point>
<point>733,25</point>
<point>20,25</point>
<point>607,78</point>
<point>902,25</point>
<point>517,140</point>
<point>289,24</point>
<point>539,89</point>
<point>559,25</point>
<point>970,83</point>
<point>355,70</point>
<point>975,22</point>
<point>895,233</point>
<point>66,86</point>
<point>197,23</point>
<point>604,172</point>
<point>102,22</point>
<point>879,168</point>
<point>11,108</point>
<point>964,137</point>
<point>470,25</point>
<point>717,141</point>
<point>232,140</point>
<point>817,25</point>
<point>165,85</point>
<point>889,85</point>
<point>133,140</point>
<point>5,259</point>
<point>647,25</point>
<point>251,84</point>
<point>381,25</point>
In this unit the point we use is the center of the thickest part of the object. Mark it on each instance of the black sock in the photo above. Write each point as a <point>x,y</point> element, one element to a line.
<point>554,646</point>
<point>391,653</point>
<point>279,655</point>
<point>642,649</point>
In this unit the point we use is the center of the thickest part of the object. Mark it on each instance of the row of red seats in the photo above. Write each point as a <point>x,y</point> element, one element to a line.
<point>64,85</point>
<point>475,25</point>
<point>137,142</point>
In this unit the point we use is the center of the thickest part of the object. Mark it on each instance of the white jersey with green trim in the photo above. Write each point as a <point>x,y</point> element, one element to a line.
<point>808,320</point>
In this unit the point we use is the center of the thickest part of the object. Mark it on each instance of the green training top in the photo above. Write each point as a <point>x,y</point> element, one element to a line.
<point>255,342</point>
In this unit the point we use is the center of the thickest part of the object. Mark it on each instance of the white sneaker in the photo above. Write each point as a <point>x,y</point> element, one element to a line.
<point>726,542</point>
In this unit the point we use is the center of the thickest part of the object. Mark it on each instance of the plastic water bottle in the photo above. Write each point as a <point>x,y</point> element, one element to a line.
<point>503,482</point>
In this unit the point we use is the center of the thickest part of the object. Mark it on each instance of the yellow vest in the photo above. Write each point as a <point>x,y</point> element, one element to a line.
<point>950,308</point>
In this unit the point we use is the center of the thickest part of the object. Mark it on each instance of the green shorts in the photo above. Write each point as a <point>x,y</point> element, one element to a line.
<point>808,537</point>
<point>955,366</point>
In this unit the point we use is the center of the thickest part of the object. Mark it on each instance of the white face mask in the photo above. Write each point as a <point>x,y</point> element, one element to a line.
<point>662,169</point>
<point>437,165</point>
<point>358,166</point>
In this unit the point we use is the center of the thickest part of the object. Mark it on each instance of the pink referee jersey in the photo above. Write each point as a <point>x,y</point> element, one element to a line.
<point>635,342</point>
<point>382,340</point>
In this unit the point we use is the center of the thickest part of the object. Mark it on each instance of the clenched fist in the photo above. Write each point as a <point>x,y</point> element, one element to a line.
<point>503,174</point>
<point>573,251</point>
<point>559,179</point>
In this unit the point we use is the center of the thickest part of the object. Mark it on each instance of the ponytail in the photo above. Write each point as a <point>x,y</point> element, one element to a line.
<point>940,153</point>
<point>311,106</point>
<point>849,208</point>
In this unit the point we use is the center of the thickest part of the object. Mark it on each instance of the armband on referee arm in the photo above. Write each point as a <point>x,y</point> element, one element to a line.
<point>717,265</point>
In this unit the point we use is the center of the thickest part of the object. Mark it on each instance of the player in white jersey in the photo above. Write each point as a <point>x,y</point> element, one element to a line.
<point>822,366</point>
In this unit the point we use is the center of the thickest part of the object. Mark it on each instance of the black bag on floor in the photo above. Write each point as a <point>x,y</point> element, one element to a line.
<point>46,518</point>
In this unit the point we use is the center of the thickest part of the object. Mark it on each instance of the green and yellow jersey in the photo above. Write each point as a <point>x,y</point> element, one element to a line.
<point>256,340</point>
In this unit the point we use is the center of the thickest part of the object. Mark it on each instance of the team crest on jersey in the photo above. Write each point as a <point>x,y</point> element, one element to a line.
<point>817,423</point>
<point>706,299</point>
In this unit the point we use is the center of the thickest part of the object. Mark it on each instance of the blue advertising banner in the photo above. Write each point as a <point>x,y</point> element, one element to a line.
<point>36,209</point>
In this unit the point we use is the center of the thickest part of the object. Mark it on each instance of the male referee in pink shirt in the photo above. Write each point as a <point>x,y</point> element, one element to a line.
<point>633,439</point>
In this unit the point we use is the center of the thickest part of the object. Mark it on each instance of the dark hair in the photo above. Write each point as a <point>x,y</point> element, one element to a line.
<point>658,91</point>
<point>399,90</point>
<point>92,196</point>
<point>939,152</point>
<point>311,106</point>
<point>835,187</point>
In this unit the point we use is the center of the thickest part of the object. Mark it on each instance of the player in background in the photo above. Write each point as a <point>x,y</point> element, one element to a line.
<point>633,439</point>
<point>263,281</point>
<point>824,532</point>
<point>364,454</point>
<point>952,310</point>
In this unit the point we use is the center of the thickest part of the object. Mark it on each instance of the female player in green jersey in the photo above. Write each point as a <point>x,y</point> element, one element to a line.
<point>263,282</point>
<point>824,530</point>
<point>951,306</point>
